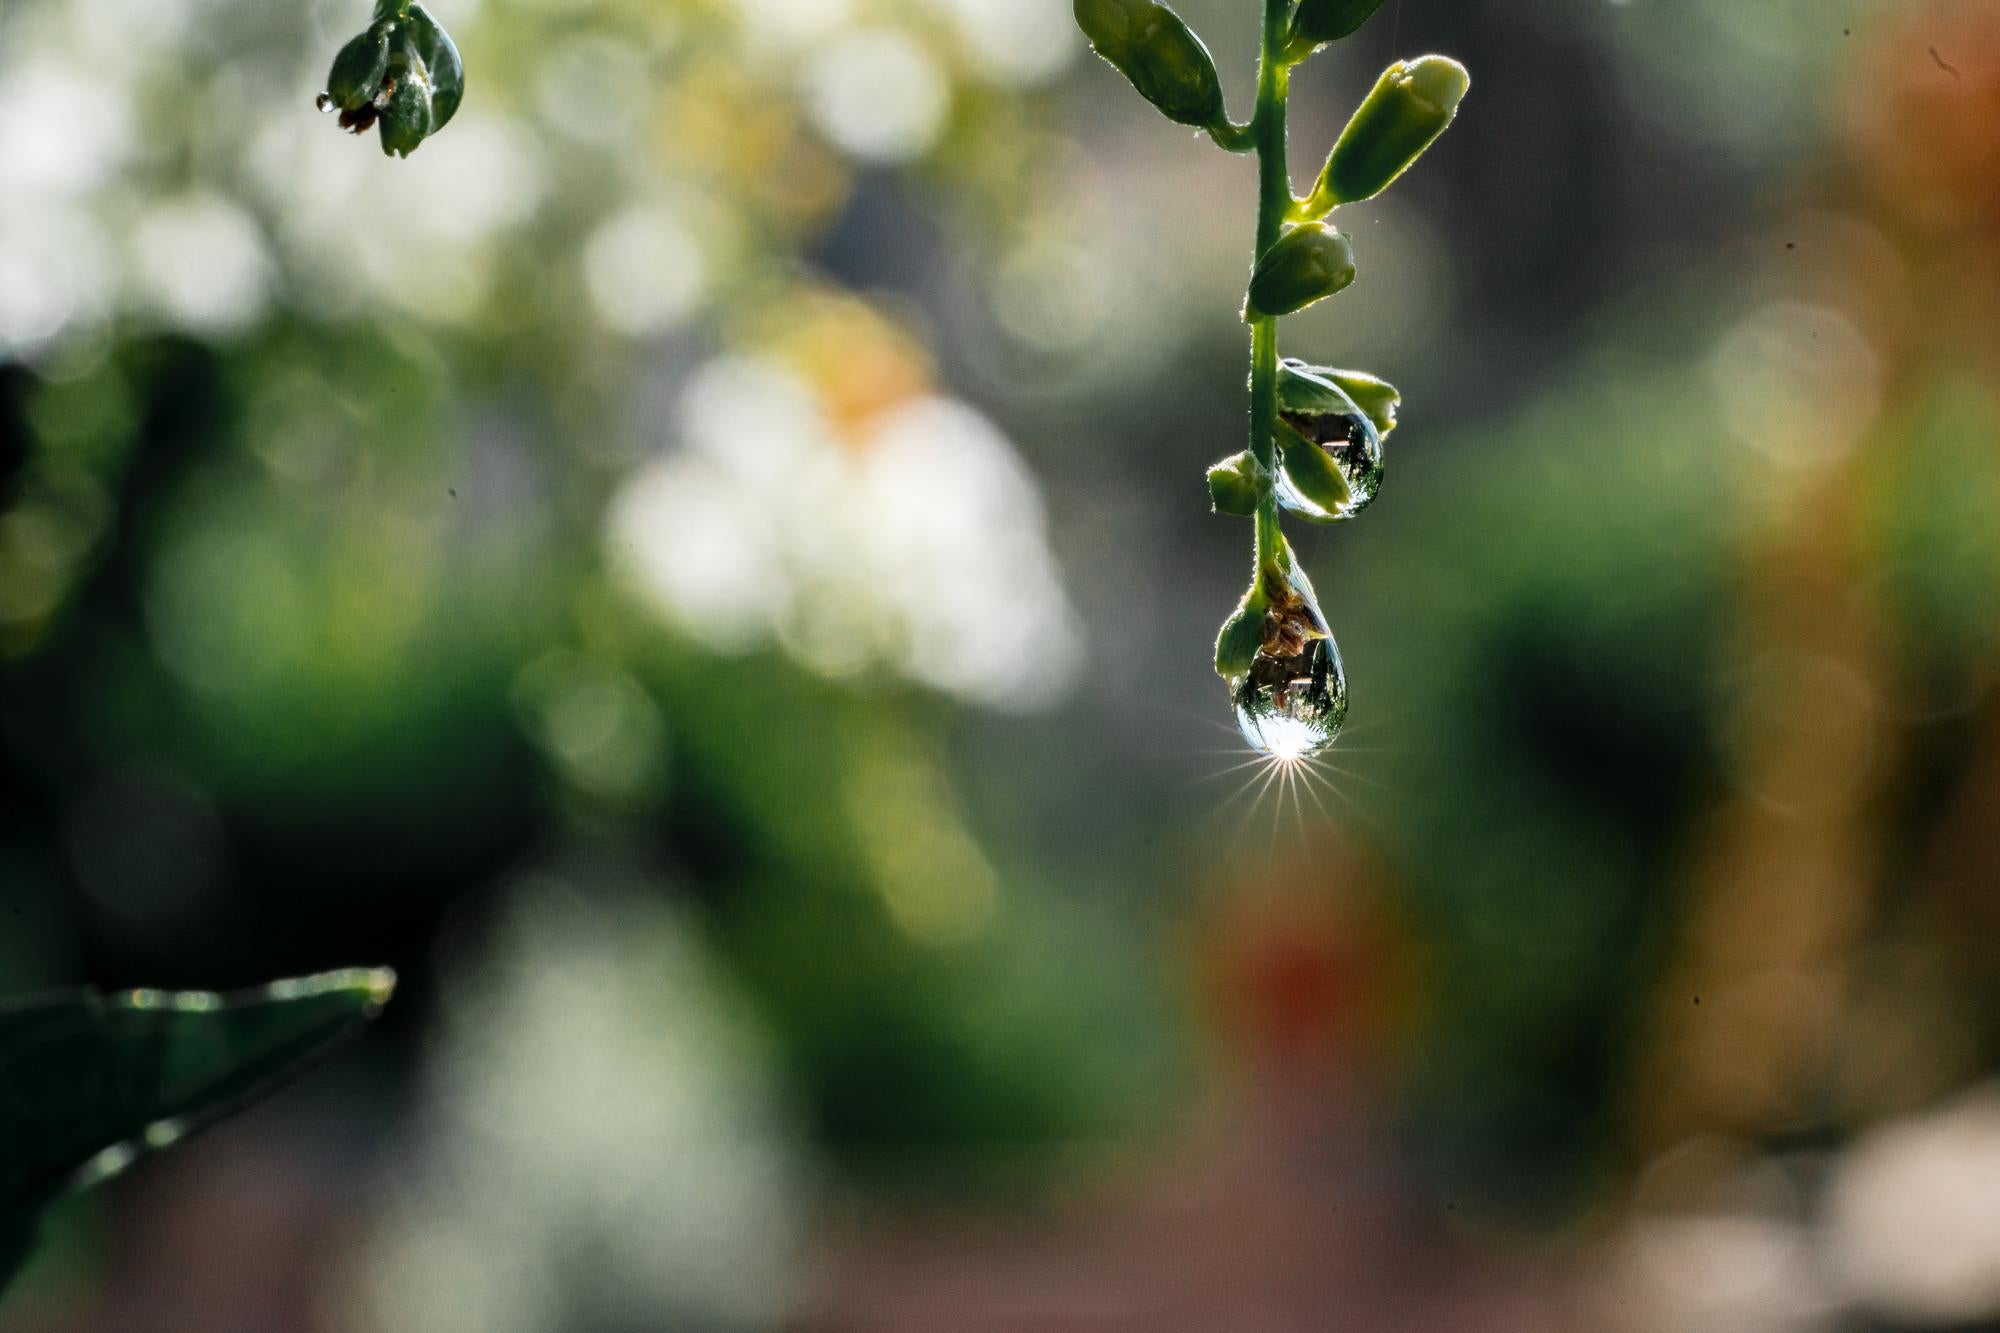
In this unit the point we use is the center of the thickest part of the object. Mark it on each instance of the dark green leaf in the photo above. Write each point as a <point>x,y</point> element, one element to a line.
<point>88,1082</point>
<point>444,66</point>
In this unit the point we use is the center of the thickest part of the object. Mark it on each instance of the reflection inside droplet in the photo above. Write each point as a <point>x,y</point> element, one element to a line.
<point>1351,440</point>
<point>1292,700</point>
<point>1291,708</point>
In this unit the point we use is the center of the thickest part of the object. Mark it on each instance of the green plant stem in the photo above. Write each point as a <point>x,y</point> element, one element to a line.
<point>1274,201</point>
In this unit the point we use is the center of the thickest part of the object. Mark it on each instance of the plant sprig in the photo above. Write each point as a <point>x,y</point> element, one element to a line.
<point>403,75</point>
<point>1315,432</point>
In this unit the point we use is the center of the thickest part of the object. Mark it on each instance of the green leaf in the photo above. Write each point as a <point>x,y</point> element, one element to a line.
<point>358,70</point>
<point>439,54</point>
<point>1242,637</point>
<point>1313,474</point>
<point>89,1082</point>
<point>1237,484</point>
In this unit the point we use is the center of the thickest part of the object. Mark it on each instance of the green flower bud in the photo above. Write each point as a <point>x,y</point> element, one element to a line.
<point>404,74</point>
<point>1310,262</point>
<point>1318,21</point>
<point>1150,45</point>
<point>1302,390</point>
<point>1411,105</point>
<point>1237,484</point>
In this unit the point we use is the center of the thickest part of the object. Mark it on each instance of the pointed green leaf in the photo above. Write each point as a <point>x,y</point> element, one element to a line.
<point>88,1082</point>
<point>1314,476</point>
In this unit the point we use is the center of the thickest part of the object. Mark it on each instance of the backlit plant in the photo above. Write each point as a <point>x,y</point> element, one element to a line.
<point>1315,433</point>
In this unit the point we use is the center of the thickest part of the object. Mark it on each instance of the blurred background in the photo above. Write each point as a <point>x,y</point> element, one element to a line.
<point>705,569</point>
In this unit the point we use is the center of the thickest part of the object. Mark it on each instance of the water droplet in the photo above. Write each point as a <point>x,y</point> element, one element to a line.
<point>1292,700</point>
<point>1291,708</point>
<point>1354,445</point>
<point>324,102</point>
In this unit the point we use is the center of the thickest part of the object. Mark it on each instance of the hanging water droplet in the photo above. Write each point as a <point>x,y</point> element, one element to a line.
<point>1291,702</point>
<point>1291,708</point>
<point>1332,449</point>
<point>325,103</point>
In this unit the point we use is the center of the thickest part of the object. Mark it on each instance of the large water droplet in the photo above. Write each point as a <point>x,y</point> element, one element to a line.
<point>1291,708</point>
<point>1292,700</point>
<point>1354,445</point>
<point>324,102</point>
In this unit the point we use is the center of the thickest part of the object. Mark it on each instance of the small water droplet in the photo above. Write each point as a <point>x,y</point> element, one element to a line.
<point>1351,440</point>
<point>324,102</point>
<point>1292,700</point>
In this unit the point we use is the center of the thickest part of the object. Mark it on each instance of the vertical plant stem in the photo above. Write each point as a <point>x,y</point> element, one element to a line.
<point>1274,199</point>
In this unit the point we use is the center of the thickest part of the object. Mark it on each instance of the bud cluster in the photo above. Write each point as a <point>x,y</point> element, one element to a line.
<point>403,76</point>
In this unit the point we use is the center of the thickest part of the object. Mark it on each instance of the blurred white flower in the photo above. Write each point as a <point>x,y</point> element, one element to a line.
<point>644,270</point>
<point>200,264</point>
<point>1914,1221</point>
<point>1798,383</point>
<point>919,547</point>
<point>878,95</point>
<point>1735,1271</point>
<point>599,1147</point>
<point>57,275</point>
<point>62,132</point>
<point>792,25</point>
<point>1015,41</point>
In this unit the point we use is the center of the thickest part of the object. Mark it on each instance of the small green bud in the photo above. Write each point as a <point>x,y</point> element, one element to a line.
<point>1242,638</point>
<point>404,74</point>
<point>1236,485</point>
<point>1318,21</point>
<point>1411,105</point>
<point>1310,262</point>
<point>358,70</point>
<point>1161,56</point>
<point>1302,389</point>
